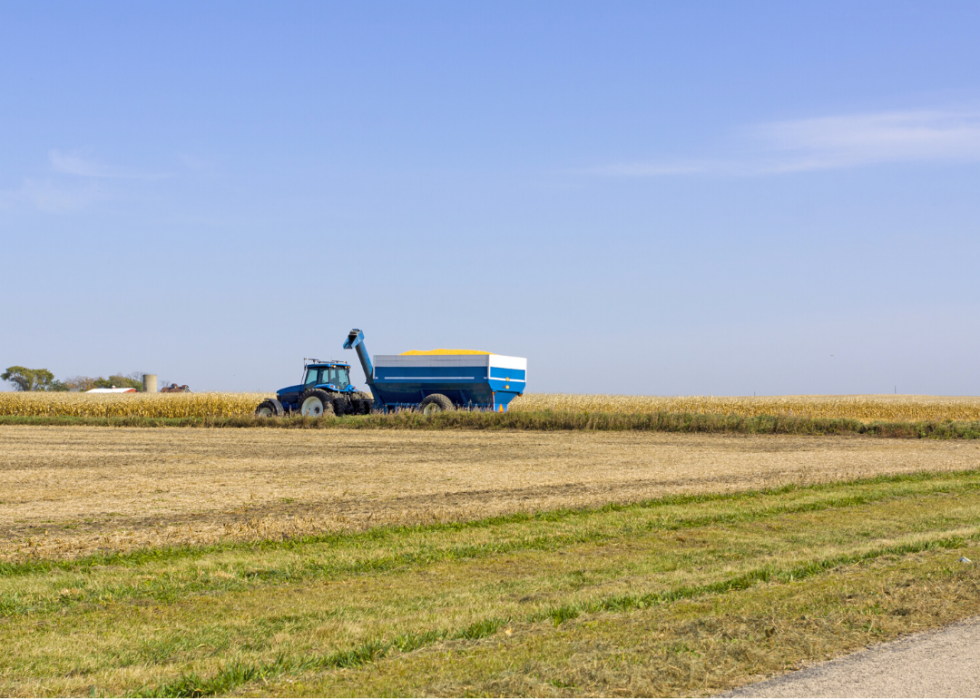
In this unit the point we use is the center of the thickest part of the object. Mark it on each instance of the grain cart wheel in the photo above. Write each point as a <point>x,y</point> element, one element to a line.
<point>363,402</point>
<point>269,408</point>
<point>436,403</point>
<point>340,406</point>
<point>315,403</point>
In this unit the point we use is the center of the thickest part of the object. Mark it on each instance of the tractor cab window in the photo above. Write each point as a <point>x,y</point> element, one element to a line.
<point>338,376</point>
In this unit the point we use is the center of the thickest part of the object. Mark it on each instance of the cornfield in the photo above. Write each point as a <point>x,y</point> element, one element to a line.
<point>889,408</point>
<point>182,405</point>
<point>132,404</point>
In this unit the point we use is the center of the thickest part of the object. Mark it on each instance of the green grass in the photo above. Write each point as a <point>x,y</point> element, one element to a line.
<point>698,646</point>
<point>235,675</point>
<point>318,613</point>
<point>550,421</point>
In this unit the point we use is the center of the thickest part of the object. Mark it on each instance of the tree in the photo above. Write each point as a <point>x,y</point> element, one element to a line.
<point>31,379</point>
<point>80,383</point>
<point>120,381</point>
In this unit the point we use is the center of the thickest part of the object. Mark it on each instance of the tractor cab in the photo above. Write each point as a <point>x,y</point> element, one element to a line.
<point>334,377</point>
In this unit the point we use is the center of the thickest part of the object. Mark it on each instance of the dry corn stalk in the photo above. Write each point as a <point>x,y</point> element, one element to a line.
<point>866,408</point>
<point>131,404</point>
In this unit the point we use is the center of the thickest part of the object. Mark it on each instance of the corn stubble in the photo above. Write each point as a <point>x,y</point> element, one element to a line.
<point>66,491</point>
<point>866,408</point>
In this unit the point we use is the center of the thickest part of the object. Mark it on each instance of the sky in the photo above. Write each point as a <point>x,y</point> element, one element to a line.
<point>661,198</point>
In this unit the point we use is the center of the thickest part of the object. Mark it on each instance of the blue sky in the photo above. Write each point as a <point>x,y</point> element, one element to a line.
<point>655,198</point>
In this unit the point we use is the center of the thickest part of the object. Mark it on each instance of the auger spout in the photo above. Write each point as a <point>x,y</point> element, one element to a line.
<point>355,341</point>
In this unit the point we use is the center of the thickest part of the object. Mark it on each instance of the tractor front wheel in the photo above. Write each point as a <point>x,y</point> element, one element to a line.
<point>436,403</point>
<point>315,403</point>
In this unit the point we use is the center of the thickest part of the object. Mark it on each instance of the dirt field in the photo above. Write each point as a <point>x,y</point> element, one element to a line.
<point>71,491</point>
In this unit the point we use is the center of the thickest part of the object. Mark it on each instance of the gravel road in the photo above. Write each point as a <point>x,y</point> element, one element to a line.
<point>944,663</point>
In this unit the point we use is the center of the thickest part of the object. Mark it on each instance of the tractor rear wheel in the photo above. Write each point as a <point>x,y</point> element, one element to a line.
<point>269,408</point>
<point>436,403</point>
<point>363,403</point>
<point>315,403</point>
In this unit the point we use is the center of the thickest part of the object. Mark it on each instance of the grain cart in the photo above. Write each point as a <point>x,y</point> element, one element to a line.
<point>326,390</point>
<point>438,380</point>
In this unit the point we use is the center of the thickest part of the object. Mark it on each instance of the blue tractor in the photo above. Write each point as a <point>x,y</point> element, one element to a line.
<point>326,390</point>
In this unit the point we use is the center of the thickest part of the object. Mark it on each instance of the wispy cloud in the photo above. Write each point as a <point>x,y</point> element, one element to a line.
<point>82,164</point>
<point>73,180</point>
<point>52,197</point>
<point>864,139</point>
<point>834,142</point>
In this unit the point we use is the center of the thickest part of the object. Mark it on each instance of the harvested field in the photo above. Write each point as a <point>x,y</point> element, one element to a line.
<point>69,491</point>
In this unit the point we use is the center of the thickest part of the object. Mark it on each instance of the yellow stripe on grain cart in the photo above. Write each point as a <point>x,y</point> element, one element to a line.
<point>417,353</point>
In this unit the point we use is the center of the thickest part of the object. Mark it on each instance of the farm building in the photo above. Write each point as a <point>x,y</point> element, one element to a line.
<point>174,388</point>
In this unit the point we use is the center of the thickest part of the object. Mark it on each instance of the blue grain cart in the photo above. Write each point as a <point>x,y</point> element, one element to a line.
<point>440,380</point>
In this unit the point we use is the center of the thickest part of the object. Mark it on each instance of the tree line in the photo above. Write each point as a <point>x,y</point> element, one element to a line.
<point>25,379</point>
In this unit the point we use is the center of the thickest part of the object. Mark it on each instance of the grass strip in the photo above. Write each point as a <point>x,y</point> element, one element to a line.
<point>765,574</point>
<point>171,587</point>
<point>380,536</point>
<point>698,647</point>
<point>237,674</point>
<point>547,420</point>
